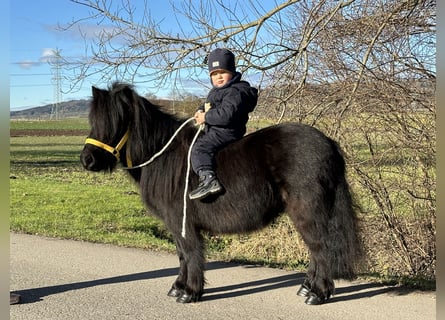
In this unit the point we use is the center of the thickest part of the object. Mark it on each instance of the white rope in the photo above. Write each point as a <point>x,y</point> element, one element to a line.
<point>163,149</point>
<point>184,209</point>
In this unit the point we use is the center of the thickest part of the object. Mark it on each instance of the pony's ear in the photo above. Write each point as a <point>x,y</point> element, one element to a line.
<point>97,92</point>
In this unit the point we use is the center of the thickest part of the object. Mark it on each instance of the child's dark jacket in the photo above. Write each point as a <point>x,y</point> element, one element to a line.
<point>229,108</point>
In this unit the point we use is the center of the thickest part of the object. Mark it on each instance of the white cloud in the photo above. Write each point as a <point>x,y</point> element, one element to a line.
<point>84,31</point>
<point>48,55</point>
<point>27,64</point>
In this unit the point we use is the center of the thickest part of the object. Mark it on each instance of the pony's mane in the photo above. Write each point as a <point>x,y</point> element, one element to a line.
<point>126,99</point>
<point>150,126</point>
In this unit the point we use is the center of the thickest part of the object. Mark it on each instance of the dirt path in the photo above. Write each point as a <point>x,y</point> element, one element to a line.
<point>61,279</point>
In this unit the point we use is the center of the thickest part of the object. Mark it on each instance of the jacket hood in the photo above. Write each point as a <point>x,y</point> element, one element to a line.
<point>251,94</point>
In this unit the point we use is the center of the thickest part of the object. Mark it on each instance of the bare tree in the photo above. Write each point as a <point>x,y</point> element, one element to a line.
<point>361,70</point>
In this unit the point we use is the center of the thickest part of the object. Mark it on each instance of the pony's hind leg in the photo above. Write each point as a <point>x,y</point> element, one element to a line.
<point>312,224</point>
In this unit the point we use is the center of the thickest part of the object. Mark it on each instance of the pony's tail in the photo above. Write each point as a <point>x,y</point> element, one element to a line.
<point>345,245</point>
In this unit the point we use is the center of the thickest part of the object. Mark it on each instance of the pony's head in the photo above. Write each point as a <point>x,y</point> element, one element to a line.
<point>109,121</point>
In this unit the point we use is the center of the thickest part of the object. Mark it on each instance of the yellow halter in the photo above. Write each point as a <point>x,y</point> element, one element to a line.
<point>113,150</point>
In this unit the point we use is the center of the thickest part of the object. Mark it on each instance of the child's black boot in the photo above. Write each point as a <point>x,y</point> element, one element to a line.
<point>208,184</point>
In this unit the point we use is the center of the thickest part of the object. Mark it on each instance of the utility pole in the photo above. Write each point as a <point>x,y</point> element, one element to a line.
<point>56,63</point>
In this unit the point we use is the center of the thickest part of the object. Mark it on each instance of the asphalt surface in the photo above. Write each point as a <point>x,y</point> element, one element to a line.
<point>62,279</point>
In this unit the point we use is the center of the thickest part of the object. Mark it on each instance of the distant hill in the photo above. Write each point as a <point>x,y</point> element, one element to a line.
<point>73,108</point>
<point>81,108</point>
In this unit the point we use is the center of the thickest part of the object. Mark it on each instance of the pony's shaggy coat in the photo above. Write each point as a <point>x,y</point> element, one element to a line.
<point>291,168</point>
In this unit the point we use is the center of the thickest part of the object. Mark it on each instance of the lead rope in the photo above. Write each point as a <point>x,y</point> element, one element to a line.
<point>184,210</point>
<point>165,147</point>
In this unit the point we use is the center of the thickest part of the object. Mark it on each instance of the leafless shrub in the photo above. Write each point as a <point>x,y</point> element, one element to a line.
<point>362,71</point>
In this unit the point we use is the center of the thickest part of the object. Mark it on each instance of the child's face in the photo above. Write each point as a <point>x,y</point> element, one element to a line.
<point>220,78</point>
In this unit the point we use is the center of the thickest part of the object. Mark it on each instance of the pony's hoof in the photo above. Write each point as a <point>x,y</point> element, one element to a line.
<point>303,291</point>
<point>175,293</point>
<point>188,298</point>
<point>313,299</point>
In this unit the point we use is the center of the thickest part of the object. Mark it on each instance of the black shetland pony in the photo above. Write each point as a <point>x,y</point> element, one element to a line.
<point>290,168</point>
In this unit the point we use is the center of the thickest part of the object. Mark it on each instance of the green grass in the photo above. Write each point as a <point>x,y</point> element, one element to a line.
<point>54,151</point>
<point>78,211</point>
<point>51,194</point>
<point>66,124</point>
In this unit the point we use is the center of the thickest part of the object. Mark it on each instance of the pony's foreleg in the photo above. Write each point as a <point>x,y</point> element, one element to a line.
<point>178,286</point>
<point>189,285</point>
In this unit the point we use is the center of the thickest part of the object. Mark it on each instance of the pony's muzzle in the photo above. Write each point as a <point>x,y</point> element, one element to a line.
<point>88,161</point>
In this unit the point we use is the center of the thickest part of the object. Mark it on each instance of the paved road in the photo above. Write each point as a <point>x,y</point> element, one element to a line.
<point>60,279</point>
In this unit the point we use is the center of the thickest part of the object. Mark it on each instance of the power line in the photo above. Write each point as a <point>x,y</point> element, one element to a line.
<point>30,85</point>
<point>29,74</point>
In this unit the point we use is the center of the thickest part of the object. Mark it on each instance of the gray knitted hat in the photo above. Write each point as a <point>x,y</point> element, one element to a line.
<point>221,59</point>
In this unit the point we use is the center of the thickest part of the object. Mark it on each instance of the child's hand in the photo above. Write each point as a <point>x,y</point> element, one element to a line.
<point>200,117</point>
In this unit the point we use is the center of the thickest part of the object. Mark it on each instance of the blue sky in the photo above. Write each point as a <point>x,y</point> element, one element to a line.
<point>33,40</point>
<point>34,36</point>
